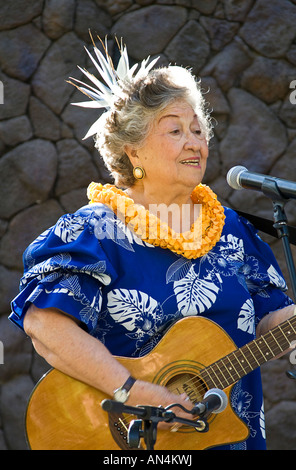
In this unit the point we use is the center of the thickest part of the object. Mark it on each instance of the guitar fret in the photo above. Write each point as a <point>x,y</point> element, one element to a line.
<point>249,348</point>
<point>256,343</point>
<point>290,323</point>
<point>273,343</point>
<point>245,358</point>
<point>266,344</point>
<point>261,343</point>
<point>241,362</point>
<point>228,369</point>
<point>204,374</point>
<point>219,383</point>
<point>225,375</point>
<point>234,357</point>
<point>224,372</point>
<point>274,347</point>
<point>232,367</point>
<point>276,341</point>
<point>289,327</point>
<point>284,334</point>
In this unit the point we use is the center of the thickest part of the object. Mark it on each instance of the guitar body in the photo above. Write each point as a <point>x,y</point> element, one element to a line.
<point>66,414</point>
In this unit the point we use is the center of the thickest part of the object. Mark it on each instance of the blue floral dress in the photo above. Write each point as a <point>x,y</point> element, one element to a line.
<point>127,292</point>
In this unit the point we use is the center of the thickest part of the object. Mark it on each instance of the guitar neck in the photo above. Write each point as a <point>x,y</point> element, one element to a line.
<point>242,361</point>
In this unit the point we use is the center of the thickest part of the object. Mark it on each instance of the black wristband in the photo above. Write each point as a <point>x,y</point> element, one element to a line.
<point>129,383</point>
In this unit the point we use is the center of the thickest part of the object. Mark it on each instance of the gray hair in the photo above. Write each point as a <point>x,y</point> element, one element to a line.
<point>131,119</point>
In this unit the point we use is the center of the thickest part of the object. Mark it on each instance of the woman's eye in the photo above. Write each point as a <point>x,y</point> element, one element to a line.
<point>175,131</point>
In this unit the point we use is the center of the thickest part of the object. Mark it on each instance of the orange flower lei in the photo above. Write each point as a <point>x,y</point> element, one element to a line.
<point>196,242</point>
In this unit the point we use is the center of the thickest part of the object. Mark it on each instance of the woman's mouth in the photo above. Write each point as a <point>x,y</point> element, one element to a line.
<point>191,162</point>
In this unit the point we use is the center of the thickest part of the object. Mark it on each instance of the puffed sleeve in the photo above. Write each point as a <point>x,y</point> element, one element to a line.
<point>65,268</point>
<point>261,272</point>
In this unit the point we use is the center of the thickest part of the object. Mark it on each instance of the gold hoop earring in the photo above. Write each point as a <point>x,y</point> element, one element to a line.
<point>138,172</point>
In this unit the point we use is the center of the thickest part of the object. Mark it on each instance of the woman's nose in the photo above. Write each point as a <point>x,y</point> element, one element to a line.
<point>193,141</point>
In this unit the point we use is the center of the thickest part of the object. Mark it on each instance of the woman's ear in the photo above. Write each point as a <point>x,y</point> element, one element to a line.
<point>132,154</point>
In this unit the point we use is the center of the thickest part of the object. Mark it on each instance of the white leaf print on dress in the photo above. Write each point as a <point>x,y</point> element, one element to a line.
<point>232,247</point>
<point>96,270</point>
<point>178,270</point>
<point>129,306</point>
<point>194,295</point>
<point>69,227</point>
<point>241,401</point>
<point>90,314</point>
<point>246,318</point>
<point>46,267</point>
<point>275,278</point>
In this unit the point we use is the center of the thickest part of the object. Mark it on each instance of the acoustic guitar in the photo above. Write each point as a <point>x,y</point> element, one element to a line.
<point>194,356</point>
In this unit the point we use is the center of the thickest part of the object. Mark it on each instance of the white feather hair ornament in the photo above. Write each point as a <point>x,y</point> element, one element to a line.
<point>103,95</point>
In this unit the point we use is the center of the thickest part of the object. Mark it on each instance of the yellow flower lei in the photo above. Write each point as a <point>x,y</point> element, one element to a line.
<point>196,242</point>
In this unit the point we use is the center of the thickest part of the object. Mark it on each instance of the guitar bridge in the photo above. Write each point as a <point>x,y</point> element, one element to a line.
<point>118,425</point>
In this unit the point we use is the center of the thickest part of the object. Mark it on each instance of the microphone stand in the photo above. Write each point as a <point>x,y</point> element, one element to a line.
<point>271,190</point>
<point>146,427</point>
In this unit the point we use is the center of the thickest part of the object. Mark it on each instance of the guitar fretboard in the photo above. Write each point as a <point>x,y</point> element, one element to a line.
<point>242,361</point>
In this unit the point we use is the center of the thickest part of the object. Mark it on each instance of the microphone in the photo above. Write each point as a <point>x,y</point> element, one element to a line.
<point>215,401</point>
<point>239,177</point>
<point>112,406</point>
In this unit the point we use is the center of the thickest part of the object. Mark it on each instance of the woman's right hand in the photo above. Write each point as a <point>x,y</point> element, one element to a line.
<point>145,393</point>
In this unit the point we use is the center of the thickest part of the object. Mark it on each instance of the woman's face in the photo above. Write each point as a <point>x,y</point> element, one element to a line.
<point>175,151</point>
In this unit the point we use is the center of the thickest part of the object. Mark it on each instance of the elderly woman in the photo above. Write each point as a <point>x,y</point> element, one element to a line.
<point>111,279</point>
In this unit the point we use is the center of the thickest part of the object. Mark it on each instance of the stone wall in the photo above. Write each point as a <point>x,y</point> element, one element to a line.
<point>245,53</point>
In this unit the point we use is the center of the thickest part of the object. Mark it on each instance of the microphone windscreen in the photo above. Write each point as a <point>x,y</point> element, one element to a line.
<point>233,176</point>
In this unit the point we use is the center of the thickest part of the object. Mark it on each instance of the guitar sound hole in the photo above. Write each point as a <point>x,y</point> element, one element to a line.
<point>192,385</point>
